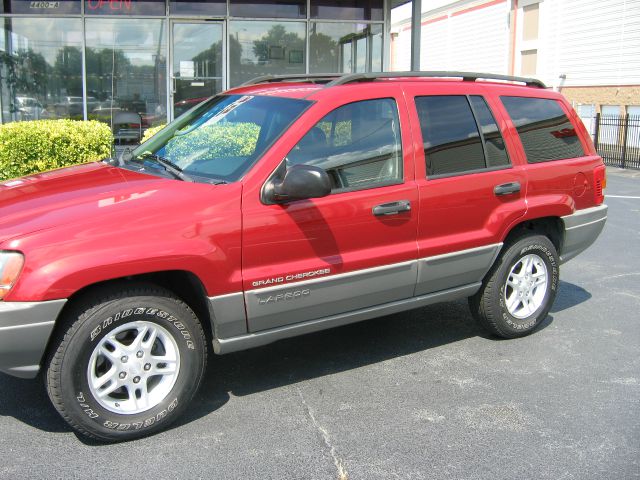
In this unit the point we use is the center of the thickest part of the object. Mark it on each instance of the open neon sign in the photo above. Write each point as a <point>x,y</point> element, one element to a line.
<point>112,4</point>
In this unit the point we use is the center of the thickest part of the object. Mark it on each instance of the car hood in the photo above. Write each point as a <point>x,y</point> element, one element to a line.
<point>82,193</point>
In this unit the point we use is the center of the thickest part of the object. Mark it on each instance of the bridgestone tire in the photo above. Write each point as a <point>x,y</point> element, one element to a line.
<point>70,366</point>
<point>489,306</point>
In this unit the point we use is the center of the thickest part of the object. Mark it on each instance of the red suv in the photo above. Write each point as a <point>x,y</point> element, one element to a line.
<point>283,207</point>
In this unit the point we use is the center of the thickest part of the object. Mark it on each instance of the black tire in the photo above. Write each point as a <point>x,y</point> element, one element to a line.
<point>489,305</point>
<point>127,309</point>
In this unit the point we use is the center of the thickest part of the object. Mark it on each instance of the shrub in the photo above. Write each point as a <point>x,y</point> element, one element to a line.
<point>150,132</point>
<point>217,140</point>
<point>32,147</point>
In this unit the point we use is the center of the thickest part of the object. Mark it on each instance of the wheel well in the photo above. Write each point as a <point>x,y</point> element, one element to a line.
<point>550,227</point>
<point>183,284</point>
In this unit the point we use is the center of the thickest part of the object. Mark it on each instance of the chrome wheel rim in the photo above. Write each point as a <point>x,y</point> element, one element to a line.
<point>526,286</point>
<point>134,367</point>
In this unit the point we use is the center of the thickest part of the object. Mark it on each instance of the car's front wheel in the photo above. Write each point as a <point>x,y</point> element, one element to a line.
<point>126,363</point>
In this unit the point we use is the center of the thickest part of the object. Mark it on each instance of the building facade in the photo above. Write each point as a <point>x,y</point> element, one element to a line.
<point>588,49</point>
<point>108,59</point>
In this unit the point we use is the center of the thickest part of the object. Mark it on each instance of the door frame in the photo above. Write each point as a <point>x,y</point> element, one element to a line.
<point>170,76</point>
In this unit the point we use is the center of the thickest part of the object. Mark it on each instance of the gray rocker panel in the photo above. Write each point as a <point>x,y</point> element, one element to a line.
<point>322,297</point>
<point>454,269</point>
<point>250,340</point>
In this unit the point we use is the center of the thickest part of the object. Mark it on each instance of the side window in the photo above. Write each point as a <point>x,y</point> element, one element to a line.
<point>453,143</point>
<point>494,144</point>
<point>358,145</point>
<point>545,131</point>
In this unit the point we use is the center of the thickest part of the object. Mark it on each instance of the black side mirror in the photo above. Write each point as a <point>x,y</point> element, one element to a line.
<point>300,182</point>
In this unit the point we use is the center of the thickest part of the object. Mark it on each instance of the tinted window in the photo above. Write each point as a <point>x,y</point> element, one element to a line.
<point>358,145</point>
<point>493,143</point>
<point>450,135</point>
<point>545,131</point>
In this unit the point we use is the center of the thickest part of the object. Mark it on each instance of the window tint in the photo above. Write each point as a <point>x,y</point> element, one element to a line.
<point>493,143</point>
<point>358,145</point>
<point>450,135</point>
<point>545,131</point>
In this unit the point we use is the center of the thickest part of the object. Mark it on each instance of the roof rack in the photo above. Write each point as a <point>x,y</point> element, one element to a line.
<point>466,76</point>
<point>335,79</point>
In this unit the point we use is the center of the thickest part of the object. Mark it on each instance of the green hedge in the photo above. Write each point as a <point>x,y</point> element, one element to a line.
<point>150,132</point>
<point>32,147</point>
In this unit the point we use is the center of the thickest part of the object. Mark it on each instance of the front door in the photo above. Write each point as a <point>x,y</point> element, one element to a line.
<point>356,248</point>
<point>197,65</point>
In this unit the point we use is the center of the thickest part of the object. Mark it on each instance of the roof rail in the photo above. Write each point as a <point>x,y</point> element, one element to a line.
<point>466,76</point>
<point>299,77</point>
<point>334,79</point>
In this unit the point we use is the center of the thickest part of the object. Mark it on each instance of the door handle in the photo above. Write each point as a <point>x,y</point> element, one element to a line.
<point>507,188</point>
<point>392,208</point>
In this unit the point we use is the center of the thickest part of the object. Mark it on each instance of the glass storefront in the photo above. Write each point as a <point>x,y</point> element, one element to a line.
<point>126,72</point>
<point>139,63</point>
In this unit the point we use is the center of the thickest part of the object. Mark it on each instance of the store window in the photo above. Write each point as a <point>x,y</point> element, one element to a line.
<point>347,9</point>
<point>265,48</point>
<point>212,8</point>
<point>345,47</point>
<point>40,68</point>
<point>126,74</point>
<point>125,7</point>
<point>268,8</point>
<point>46,7</point>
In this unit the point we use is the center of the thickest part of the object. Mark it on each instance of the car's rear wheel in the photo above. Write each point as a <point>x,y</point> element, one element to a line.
<point>520,288</point>
<point>126,363</point>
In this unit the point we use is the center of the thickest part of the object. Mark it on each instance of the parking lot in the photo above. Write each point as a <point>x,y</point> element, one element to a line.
<point>419,395</point>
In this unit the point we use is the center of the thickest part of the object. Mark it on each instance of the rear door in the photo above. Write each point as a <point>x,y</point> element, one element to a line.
<point>470,181</point>
<point>355,248</point>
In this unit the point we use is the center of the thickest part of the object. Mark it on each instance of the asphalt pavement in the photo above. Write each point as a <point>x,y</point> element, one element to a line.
<point>419,395</point>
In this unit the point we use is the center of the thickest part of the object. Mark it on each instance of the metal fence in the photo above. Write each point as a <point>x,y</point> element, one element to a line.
<point>617,139</point>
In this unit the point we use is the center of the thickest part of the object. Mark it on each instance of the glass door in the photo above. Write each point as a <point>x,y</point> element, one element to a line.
<point>198,62</point>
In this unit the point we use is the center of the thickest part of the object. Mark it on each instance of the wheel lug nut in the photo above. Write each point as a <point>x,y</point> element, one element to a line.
<point>136,379</point>
<point>139,354</point>
<point>147,366</point>
<point>124,359</point>
<point>123,374</point>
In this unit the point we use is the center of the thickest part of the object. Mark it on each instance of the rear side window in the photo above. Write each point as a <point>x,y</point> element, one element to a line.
<point>494,144</point>
<point>358,145</point>
<point>453,141</point>
<point>545,131</point>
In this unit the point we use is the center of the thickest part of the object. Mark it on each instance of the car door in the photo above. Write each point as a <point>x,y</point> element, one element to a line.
<point>471,185</point>
<point>355,248</point>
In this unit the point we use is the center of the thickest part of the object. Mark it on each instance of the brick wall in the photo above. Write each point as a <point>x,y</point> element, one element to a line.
<point>623,96</point>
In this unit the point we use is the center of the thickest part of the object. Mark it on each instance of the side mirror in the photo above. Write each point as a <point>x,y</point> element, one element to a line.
<point>300,182</point>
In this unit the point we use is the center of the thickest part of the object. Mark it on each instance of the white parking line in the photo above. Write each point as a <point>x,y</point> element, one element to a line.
<point>622,196</point>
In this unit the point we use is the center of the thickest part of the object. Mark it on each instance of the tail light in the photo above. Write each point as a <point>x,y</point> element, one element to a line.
<point>599,183</point>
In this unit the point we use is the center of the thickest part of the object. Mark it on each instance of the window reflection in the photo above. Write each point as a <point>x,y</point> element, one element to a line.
<point>345,47</point>
<point>40,67</point>
<point>126,75</point>
<point>347,9</point>
<point>264,48</point>
<point>214,8</point>
<point>268,8</point>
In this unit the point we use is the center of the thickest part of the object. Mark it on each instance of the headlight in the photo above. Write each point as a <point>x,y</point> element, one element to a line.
<point>10,267</point>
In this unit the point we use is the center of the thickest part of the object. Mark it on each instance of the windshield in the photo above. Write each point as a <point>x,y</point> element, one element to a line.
<point>223,136</point>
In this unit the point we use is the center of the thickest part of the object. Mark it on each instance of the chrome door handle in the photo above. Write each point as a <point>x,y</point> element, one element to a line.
<point>392,208</point>
<point>507,188</point>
